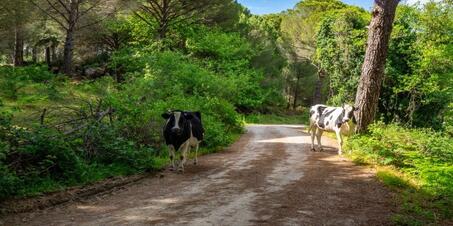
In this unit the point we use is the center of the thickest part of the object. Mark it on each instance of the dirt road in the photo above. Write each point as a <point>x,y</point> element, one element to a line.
<point>268,177</point>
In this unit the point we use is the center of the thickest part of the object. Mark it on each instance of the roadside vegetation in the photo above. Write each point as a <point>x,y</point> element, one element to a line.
<point>414,162</point>
<point>81,100</point>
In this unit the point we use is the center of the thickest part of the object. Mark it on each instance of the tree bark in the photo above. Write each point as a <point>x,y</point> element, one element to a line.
<point>372,74</point>
<point>296,91</point>
<point>69,41</point>
<point>318,88</point>
<point>18,59</point>
<point>48,61</point>
<point>53,52</point>
<point>67,53</point>
<point>34,54</point>
<point>163,23</point>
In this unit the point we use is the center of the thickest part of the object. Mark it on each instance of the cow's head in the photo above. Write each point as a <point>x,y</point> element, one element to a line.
<point>176,120</point>
<point>349,113</point>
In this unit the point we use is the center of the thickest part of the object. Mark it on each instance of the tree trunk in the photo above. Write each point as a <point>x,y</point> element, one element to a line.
<point>288,94</point>
<point>318,88</point>
<point>296,91</point>
<point>163,23</point>
<point>18,59</point>
<point>48,62</point>
<point>372,74</point>
<point>53,52</point>
<point>69,41</point>
<point>67,58</point>
<point>34,54</point>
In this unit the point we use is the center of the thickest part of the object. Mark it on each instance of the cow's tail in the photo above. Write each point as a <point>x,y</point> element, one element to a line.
<point>310,121</point>
<point>310,127</point>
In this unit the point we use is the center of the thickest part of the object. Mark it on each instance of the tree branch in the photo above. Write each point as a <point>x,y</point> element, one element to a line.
<point>155,11</point>
<point>96,22</point>
<point>49,15</point>
<point>144,19</point>
<point>57,10</point>
<point>154,14</point>
<point>82,13</point>
<point>64,6</point>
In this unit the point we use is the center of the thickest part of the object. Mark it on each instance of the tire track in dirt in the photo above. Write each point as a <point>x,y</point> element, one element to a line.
<point>268,177</point>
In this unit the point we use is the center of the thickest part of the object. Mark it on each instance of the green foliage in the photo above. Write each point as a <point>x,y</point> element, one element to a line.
<point>235,59</point>
<point>14,82</point>
<point>340,51</point>
<point>417,89</point>
<point>418,75</point>
<point>219,45</point>
<point>421,154</point>
<point>175,82</point>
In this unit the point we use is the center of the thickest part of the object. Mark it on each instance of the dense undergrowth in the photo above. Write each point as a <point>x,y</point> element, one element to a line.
<point>415,162</point>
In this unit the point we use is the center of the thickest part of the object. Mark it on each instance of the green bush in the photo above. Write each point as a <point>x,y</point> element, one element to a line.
<point>18,82</point>
<point>424,155</point>
<point>38,159</point>
<point>27,156</point>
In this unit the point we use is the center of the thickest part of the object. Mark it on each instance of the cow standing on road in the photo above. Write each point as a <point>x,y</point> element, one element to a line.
<point>182,131</point>
<point>332,119</point>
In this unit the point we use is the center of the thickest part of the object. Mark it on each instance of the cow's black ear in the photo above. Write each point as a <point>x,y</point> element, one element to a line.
<point>198,114</point>
<point>188,116</point>
<point>166,115</point>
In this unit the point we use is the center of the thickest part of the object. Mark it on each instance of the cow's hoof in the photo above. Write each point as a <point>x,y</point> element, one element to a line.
<point>171,168</point>
<point>180,170</point>
<point>321,149</point>
<point>195,162</point>
<point>312,149</point>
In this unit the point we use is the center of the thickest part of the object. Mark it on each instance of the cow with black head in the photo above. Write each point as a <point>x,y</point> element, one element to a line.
<point>182,130</point>
<point>340,120</point>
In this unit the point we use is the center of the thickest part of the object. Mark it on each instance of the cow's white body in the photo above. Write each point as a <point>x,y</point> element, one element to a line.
<point>332,119</point>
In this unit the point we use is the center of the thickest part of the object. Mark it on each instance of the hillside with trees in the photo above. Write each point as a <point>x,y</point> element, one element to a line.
<point>83,84</point>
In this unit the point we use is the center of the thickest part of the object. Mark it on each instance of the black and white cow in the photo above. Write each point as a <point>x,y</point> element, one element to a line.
<point>333,119</point>
<point>182,131</point>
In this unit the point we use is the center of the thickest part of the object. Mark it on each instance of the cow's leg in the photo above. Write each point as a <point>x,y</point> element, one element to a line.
<point>318,138</point>
<point>312,133</point>
<point>185,149</point>
<point>340,141</point>
<point>172,156</point>
<point>195,160</point>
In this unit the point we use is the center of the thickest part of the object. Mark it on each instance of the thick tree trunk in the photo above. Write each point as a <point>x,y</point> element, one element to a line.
<point>18,59</point>
<point>67,53</point>
<point>372,74</point>
<point>69,42</point>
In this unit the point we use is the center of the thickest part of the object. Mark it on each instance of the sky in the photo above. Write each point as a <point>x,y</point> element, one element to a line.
<point>276,6</point>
